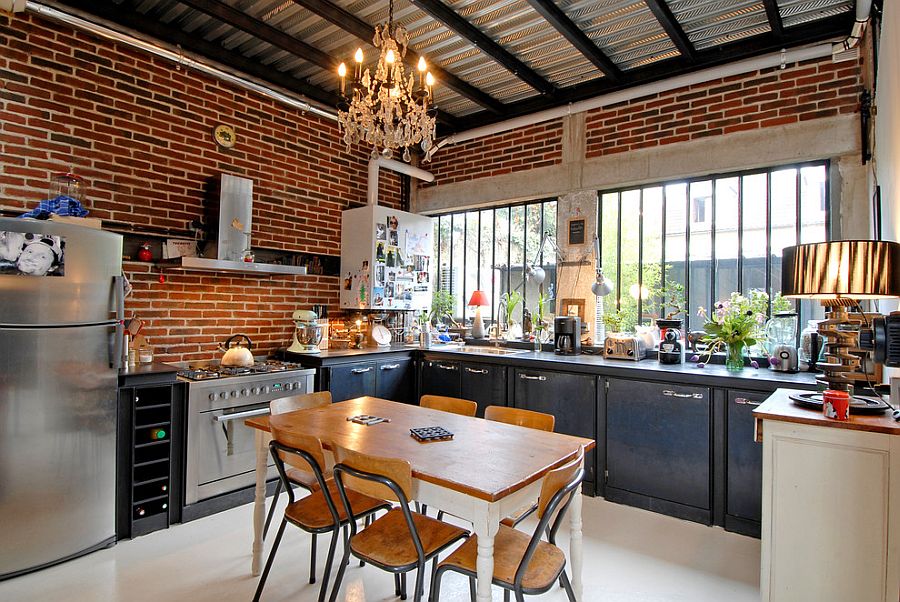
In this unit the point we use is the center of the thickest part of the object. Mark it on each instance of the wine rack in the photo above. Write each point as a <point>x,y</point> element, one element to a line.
<point>150,459</point>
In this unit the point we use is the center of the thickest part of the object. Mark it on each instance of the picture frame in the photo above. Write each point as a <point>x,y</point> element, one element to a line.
<point>572,307</point>
<point>577,231</point>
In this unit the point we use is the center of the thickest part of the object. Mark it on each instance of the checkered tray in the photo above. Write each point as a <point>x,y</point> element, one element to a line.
<point>430,433</point>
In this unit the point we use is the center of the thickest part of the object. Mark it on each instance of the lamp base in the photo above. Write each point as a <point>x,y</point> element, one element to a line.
<point>478,325</point>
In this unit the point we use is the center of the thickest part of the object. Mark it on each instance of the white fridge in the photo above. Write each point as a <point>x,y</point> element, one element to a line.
<point>386,259</point>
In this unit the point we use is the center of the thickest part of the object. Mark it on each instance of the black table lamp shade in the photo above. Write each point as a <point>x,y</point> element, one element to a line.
<point>855,269</point>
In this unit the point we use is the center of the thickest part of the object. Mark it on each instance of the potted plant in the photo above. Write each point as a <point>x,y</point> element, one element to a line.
<point>673,303</point>
<point>540,321</point>
<point>510,301</point>
<point>442,304</point>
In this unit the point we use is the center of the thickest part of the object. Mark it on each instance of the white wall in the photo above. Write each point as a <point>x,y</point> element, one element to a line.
<point>887,121</point>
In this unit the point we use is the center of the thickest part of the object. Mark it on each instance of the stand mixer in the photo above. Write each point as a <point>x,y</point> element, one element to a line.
<point>307,334</point>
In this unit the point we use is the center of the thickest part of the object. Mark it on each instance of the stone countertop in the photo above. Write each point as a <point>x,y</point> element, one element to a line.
<point>780,407</point>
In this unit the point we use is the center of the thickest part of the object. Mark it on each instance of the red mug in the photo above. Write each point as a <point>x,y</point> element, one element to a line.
<point>836,404</point>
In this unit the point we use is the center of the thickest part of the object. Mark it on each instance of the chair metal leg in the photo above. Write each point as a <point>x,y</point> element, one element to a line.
<point>312,559</point>
<point>567,586</point>
<point>434,563</point>
<point>420,585</point>
<point>425,509</point>
<point>345,560</point>
<point>520,597</point>
<point>440,515</point>
<point>472,593</point>
<point>402,586</point>
<point>505,595</point>
<point>272,508</point>
<point>396,584</point>
<point>323,589</point>
<point>265,573</point>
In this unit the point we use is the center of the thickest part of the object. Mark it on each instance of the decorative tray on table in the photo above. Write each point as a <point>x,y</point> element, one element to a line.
<point>430,433</point>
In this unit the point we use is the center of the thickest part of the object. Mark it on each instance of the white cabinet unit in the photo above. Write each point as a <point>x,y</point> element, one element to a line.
<point>385,259</point>
<point>830,511</point>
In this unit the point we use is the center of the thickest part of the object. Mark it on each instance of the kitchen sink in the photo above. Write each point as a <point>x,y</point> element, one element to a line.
<point>483,350</point>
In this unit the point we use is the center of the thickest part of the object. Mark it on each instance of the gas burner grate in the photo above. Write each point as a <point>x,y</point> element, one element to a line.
<point>199,374</point>
<point>210,371</point>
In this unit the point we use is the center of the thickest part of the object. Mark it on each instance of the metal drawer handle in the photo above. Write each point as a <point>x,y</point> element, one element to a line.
<point>240,415</point>
<point>446,367</point>
<point>670,393</point>
<point>390,366</point>
<point>474,371</point>
<point>746,402</point>
<point>529,377</point>
<point>361,370</point>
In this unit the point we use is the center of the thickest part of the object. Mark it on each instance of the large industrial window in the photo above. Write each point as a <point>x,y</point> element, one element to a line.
<point>712,235</point>
<point>489,249</point>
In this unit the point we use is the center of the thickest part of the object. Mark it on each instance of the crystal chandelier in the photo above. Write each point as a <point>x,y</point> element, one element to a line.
<point>386,109</point>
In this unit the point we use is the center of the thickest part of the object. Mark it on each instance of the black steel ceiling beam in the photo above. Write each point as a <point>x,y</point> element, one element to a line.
<point>576,37</point>
<point>774,16</point>
<point>438,10</point>
<point>810,33</point>
<point>133,19</point>
<point>264,31</point>
<point>667,19</point>
<point>365,32</point>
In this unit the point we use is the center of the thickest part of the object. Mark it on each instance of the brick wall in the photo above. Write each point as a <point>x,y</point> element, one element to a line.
<point>518,150</point>
<point>766,98</point>
<point>139,130</point>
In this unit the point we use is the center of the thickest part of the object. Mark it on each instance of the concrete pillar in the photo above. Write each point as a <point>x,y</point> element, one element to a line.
<point>575,275</point>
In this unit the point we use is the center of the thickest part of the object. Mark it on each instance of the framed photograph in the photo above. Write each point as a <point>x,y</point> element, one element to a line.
<point>577,231</point>
<point>32,254</point>
<point>572,307</point>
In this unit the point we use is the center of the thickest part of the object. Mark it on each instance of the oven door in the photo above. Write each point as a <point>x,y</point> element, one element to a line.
<point>222,451</point>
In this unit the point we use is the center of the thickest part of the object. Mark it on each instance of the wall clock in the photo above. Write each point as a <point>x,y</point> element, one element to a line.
<point>224,136</point>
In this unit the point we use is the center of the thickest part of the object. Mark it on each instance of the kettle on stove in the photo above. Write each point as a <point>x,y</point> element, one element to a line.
<point>236,355</point>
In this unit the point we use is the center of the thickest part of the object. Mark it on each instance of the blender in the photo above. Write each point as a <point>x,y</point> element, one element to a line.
<point>781,333</point>
<point>308,332</point>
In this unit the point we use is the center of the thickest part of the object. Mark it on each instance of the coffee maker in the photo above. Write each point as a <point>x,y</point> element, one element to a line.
<point>567,335</point>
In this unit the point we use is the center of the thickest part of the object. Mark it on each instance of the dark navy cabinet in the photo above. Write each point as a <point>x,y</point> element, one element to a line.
<point>743,464</point>
<point>658,447</point>
<point>571,398</point>
<point>440,377</point>
<point>347,381</point>
<point>484,384</point>
<point>394,380</point>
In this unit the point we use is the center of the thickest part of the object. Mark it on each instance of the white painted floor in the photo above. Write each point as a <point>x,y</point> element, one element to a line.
<point>630,556</point>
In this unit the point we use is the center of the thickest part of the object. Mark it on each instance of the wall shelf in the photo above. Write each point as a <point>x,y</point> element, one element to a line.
<point>204,264</point>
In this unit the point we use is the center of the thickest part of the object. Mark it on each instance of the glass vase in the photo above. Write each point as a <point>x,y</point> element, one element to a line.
<point>734,356</point>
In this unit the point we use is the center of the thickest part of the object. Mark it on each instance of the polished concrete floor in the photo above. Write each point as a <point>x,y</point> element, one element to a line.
<point>630,556</point>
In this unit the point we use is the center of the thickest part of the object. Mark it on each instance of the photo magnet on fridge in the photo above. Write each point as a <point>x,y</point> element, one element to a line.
<point>380,232</point>
<point>32,254</point>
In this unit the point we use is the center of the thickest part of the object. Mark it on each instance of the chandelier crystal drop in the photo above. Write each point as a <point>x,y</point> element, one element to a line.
<point>387,109</point>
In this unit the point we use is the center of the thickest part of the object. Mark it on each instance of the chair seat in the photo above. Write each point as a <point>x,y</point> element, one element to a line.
<point>509,549</point>
<point>311,513</point>
<point>387,542</point>
<point>304,478</point>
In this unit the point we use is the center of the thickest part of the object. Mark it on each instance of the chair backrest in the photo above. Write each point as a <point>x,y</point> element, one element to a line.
<point>454,405</point>
<point>302,451</point>
<point>557,489</point>
<point>520,417</point>
<point>304,401</point>
<point>397,470</point>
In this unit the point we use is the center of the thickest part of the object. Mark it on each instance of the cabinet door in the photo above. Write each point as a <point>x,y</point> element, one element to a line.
<point>352,380</point>
<point>440,377</point>
<point>483,383</point>
<point>657,441</point>
<point>572,398</point>
<point>743,457</point>
<point>393,380</point>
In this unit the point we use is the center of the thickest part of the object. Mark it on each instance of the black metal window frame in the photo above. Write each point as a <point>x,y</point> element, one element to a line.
<point>711,217</point>
<point>510,285</point>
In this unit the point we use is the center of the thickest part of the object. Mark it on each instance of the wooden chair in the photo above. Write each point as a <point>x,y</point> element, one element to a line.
<point>298,471</point>
<point>519,417</point>
<point>319,512</point>
<point>523,564</point>
<point>399,541</point>
<point>454,405</point>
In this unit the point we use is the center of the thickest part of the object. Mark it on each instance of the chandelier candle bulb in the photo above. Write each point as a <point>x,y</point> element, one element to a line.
<point>342,72</point>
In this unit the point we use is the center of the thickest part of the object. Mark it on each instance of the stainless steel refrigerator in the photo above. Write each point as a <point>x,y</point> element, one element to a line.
<point>60,335</point>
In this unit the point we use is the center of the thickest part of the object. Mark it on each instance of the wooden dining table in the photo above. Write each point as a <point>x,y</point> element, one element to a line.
<point>487,471</point>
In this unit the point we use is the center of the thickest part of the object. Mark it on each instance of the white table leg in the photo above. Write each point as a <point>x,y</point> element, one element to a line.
<point>259,500</point>
<point>485,526</point>
<point>575,543</point>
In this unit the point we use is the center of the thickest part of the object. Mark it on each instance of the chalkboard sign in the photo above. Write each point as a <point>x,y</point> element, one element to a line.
<point>576,231</point>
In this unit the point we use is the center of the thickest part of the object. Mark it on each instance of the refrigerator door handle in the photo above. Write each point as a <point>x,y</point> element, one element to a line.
<point>119,286</point>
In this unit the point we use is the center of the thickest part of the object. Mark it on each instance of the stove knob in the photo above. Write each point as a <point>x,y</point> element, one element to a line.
<point>296,386</point>
<point>265,389</point>
<point>234,393</point>
<point>212,396</point>
<point>223,395</point>
<point>288,386</point>
<point>255,390</point>
<point>245,392</point>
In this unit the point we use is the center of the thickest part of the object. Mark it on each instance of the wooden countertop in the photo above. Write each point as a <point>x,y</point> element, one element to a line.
<point>780,407</point>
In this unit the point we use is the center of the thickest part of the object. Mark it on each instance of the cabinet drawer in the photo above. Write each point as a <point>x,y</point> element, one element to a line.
<point>658,441</point>
<point>352,380</point>
<point>743,457</point>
